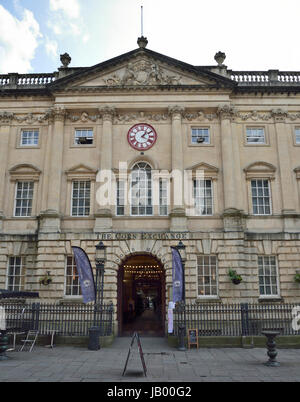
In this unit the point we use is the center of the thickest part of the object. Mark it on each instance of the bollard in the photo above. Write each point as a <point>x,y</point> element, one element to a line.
<point>94,334</point>
<point>181,334</point>
<point>271,345</point>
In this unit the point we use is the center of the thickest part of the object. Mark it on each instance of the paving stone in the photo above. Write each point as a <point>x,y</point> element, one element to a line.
<point>164,364</point>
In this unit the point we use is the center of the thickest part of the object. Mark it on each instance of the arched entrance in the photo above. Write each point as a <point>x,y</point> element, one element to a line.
<point>141,296</point>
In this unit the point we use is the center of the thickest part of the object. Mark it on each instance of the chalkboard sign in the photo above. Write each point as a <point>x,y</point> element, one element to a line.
<point>192,337</point>
<point>137,338</point>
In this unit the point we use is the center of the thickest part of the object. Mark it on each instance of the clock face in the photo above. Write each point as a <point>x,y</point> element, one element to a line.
<point>142,136</point>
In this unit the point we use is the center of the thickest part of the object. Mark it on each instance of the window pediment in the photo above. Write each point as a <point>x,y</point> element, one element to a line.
<point>24,172</point>
<point>260,170</point>
<point>81,172</point>
<point>209,171</point>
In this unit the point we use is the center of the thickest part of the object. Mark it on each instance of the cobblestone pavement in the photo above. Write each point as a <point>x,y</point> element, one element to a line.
<point>164,364</point>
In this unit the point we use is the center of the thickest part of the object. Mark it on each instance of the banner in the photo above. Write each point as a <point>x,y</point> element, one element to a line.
<point>171,317</point>
<point>177,276</point>
<point>85,274</point>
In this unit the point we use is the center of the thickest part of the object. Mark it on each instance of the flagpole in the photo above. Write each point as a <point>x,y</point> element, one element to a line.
<point>142,21</point>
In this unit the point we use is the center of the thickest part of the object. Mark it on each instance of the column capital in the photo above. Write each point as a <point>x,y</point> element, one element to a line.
<point>176,111</point>
<point>226,112</point>
<point>107,112</point>
<point>279,115</point>
<point>56,113</point>
<point>6,118</point>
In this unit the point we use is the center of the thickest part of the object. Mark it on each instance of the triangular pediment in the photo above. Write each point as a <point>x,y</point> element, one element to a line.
<point>142,71</point>
<point>79,172</point>
<point>141,68</point>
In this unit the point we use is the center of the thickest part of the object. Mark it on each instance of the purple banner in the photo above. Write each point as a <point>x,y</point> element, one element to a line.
<point>85,274</point>
<point>177,276</point>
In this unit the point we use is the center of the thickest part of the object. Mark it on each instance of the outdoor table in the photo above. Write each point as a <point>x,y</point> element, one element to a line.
<point>14,333</point>
<point>11,294</point>
<point>52,333</point>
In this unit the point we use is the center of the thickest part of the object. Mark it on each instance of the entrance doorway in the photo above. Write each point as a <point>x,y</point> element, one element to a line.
<point>141,296</point>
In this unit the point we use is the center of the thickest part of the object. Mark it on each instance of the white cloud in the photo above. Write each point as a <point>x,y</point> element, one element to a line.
<point>51,47</point>
<point>18,41</point>
<point>66,19</point>
<point>69,7</point>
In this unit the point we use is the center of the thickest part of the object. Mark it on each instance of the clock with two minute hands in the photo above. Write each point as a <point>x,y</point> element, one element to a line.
<point>142,137</point>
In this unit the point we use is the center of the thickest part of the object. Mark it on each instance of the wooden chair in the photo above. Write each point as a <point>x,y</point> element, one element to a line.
<point>30,340</point>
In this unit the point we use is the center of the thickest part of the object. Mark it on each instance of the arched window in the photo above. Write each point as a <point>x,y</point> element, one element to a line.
<point>141,189</point>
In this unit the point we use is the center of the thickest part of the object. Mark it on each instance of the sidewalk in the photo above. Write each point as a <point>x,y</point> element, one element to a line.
<point>164,364</point>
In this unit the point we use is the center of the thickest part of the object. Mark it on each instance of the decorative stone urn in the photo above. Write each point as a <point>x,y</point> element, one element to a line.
<point>65,59</point>
<point>220,57</point>
<point>142,42</point>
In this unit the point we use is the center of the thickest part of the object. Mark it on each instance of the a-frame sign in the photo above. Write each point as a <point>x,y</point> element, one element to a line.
<point>137,338</point>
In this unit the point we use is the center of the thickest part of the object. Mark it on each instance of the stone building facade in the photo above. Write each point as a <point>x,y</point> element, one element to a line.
<point>240,130</point>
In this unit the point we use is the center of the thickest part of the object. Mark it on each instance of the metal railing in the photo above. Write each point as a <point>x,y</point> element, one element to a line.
<point>243,319</point>
<point>65,319</point>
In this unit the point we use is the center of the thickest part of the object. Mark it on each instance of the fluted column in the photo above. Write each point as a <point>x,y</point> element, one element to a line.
<point>50,219</point>
<point>286,171</point>
<point>103,215</point>
<point>178,216</point>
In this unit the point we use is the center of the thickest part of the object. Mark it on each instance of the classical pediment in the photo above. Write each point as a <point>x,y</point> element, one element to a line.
<point>81,172</point>
<point>141,68</point>
<point>143,72</point>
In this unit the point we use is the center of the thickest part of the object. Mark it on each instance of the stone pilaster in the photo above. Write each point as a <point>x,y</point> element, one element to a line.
<point>47,164</point>
<point>286,172</point>
<point>50,218</point>
<point>177,215</point>
<point>233,217</point>
<point>4,146</point>
<point>103,215</point>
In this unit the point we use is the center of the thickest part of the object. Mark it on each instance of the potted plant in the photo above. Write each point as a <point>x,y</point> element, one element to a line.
<point>235,278</point>
<point>46,280</point>
<point>297,277</point>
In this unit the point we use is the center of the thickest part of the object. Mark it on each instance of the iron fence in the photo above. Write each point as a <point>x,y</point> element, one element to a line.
<point>243,319</point>
<point>65,319</point>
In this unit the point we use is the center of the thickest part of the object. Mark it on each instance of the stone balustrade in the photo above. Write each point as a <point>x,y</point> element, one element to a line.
<point>244,78</point>
<point>15,80</point>
<point>270,77</point>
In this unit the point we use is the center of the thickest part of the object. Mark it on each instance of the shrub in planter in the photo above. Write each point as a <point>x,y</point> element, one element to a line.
<point>297,277</point>
<point>46,280</point>
<point>235,278</point>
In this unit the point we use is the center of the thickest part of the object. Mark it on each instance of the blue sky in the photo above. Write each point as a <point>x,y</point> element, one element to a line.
<point>255,35</point>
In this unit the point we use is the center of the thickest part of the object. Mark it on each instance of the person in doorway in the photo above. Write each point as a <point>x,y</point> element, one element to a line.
<point>131,308</point>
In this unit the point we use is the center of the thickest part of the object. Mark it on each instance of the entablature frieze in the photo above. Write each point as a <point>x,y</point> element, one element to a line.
<point>162,114</point>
